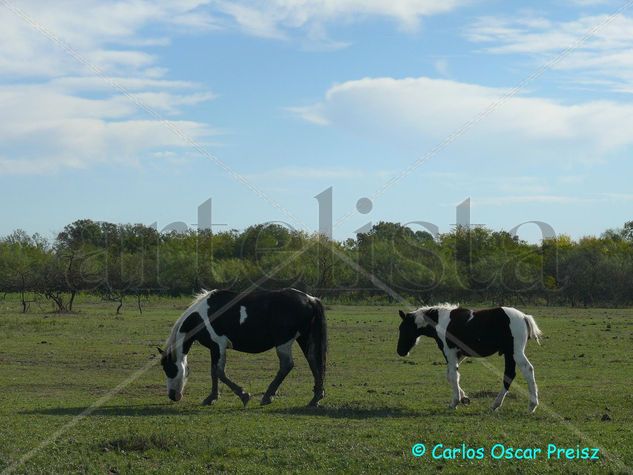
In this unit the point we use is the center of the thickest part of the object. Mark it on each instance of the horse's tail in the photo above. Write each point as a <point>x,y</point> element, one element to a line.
<point>534,331</point>
<point>317,339</point>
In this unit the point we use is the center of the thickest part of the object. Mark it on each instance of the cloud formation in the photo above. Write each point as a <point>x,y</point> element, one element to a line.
<point>275,18</point>
<point>424,111</point>
<point>57,114</point>
<point>606,55</point>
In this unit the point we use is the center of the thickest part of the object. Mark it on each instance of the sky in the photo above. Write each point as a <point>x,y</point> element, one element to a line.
<point>137,111</point>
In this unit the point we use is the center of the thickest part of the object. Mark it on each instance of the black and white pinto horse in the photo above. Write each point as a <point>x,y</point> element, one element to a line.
<point>250,323</point>
<point>460,332</point>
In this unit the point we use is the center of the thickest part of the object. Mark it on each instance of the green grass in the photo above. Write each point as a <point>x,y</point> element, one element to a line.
<point>377,405</point>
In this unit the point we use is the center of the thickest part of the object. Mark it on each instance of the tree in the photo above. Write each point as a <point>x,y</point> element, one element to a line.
<point>627,231</point>
<point>21,260</point>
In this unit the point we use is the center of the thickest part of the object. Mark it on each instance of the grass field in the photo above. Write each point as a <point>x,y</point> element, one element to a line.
<point>377,405</point>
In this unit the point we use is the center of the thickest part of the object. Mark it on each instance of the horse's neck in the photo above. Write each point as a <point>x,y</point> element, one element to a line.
<point>180,349</point>
<point>181,343</point>
<point>185,333</point>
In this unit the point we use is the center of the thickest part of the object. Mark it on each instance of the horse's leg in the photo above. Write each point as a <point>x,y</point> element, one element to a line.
<point>528,373</point>
<point>215,394</point>
<point>286,363</point>
<point>462,395</point>
<point>520,341</point>
<point>237,389</point>
<point>319,392</point>
<point>452,374</point>
<point>508,376</point>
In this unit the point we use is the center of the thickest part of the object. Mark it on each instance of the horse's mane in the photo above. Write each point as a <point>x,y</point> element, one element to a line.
<point>203,294</point>
<point>439,306</point>
<point>420,313</point>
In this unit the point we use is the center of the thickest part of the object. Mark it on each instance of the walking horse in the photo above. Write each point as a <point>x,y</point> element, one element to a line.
<point>251,323</point>
<point>460,332</point>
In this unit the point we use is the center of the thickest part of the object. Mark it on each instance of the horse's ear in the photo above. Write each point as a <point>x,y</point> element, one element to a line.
<point>161,351</point>
<point>402,315</point>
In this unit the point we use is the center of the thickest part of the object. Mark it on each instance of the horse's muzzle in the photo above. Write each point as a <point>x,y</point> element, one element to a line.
<point>174,395</point>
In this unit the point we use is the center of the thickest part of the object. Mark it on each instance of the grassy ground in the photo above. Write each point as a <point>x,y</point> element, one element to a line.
<point>377,405</point>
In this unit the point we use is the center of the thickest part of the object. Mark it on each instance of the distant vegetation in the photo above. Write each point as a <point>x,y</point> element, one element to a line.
<point>118,262</point>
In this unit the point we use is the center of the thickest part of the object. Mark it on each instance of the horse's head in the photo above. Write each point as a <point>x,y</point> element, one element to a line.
<point>412,327</point>
<point>177,372</point>
<point>408,333</point>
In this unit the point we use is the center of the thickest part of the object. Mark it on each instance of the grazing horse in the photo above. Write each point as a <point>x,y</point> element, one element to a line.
<point>251,323</point>
<point>460,332</point>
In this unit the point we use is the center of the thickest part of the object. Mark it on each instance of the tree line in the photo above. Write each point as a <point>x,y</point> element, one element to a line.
<point>133,261</point>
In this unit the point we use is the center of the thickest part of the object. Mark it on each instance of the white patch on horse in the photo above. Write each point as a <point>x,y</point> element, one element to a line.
<point>178,382</point>
<point>452,373</point>
<point>443,319</point>
<point>522,328</point>
<point>201,307</point>
<point>421,321</point>
<point>472,315</point>
<point>304,293</point>
<point>243,314</point>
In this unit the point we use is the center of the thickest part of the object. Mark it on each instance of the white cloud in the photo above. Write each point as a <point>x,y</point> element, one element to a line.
<point>530,199</point>
<point>588,3</point>
<point>95,83</point>
<point>45,130</point>
<point>489,183</point>
<point>538,35</point>
<point>253,20</point>
<point>83,143</point>
<point>318,173</point>
<point>314,113</point>
<point>424,111</point>
<point>94,29</point>
<point>553,199</point>
<point>170,103</point>
<point>606,54</point>
<point>274,18</point>
<point>55,113</point>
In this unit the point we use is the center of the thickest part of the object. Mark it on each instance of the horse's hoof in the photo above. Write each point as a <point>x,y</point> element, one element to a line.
<point>266,399</point>
<point>532,407</point>
<point>209,401</point>
<point>315,400</point>
<point>245,397</point>
<point>465,401</point>
<point>453,405</point>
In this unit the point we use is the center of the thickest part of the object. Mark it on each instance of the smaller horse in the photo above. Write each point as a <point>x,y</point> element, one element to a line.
<point>460,332</point>
<point>251,323</point>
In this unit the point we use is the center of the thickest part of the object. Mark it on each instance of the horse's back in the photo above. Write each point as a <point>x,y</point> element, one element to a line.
<point>479,332</point>
<point>258,321</point>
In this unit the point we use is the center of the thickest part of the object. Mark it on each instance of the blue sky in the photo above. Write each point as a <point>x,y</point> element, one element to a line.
<point>295,96</point>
